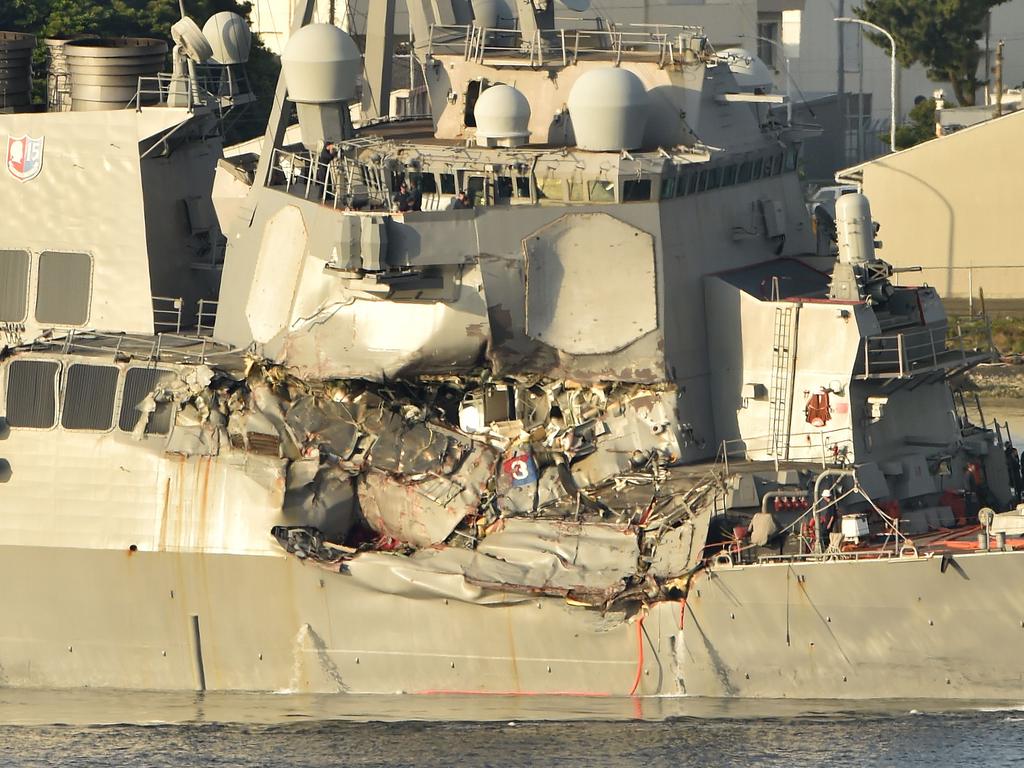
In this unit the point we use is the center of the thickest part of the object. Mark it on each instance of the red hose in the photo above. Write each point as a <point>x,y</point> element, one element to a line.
<point>640,655</point>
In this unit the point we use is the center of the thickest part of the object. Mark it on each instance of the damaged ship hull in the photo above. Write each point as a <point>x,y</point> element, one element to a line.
<point>176,621</point>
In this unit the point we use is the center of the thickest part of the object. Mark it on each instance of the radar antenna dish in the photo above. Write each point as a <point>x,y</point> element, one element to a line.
<point>580,6</point>
<point>187,34</point>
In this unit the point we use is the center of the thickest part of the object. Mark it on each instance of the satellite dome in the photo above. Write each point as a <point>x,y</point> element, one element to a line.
<point>321,64</point>
<point>229,36</point>
<point>502,117</point>
<point>185,33</point>
<point>608,107</point>
<point>750,72</point>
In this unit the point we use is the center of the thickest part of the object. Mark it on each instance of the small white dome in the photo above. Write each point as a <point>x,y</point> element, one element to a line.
<point>608,107</point>
<point>321,64</point>
<point>229,36</point>
<point>502,117</point>
<point>750,72</point>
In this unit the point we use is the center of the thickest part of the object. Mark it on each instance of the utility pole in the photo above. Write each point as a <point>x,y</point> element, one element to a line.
<point>841,84</point>
<point>999,78</point>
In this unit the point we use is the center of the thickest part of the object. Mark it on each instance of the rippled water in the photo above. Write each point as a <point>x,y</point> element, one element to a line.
<point>93,728</point>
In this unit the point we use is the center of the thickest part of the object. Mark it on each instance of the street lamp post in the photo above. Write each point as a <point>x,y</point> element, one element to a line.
<point>892,73</point>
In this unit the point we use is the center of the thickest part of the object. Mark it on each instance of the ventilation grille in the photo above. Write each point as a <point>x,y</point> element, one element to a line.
<point>14,266</point>
<point>32,393</point>
<point>89,397</point>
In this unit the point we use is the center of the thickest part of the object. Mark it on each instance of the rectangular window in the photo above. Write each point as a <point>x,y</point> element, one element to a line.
<point>757,169</point>
<point>602,191</point>
<point>777,165</point>
<point>767,167</point>
<point>138,383</point>
<point>682,184</point>
<point>89,397</point>
<point>702,182</point>
<point>636,190</point>
<point>668,187</point>
<point>447,183</point>
<point>714,178</point>
<point>693,185</point>
<point>792,158</point>
<point>427,183</point>
<point>476,190</point>
<point>14,267</point>
<point>729,176</point>
<point>523,187</point>
<point>744,174</point>
<point>551,189</point>
<point>503,189</point>
<point>65,285</point>
<point>577,191</point>
<point>32,393</point>
<point>769,34</point>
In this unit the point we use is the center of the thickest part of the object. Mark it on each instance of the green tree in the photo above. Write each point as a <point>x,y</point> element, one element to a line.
<point>920,127</point>
<point>142,18</point>
<point>942,35</point>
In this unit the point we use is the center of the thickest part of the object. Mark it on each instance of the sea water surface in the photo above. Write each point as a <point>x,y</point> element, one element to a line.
<point>112,728</point>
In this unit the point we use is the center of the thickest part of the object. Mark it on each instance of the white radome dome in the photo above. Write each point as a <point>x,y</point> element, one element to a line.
<point>321,64</point>
<point>229,36</point>
<point>609,109</point>
<point>502,117</point>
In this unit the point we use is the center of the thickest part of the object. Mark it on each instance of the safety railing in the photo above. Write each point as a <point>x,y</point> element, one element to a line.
<point>339,182</point>
<point>167,314</point>
<point>206,317</point>
<point>160,347</point>
<point>906,353</point>
<point>829,447</point>
<point>663,43</point>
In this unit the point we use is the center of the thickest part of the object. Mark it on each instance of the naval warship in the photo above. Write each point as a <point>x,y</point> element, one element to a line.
<point>549,391</point>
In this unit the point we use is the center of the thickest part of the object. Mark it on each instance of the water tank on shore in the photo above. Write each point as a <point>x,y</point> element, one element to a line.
<point>105,72</point>
<point>15,70</point>
<point>58,79</point>
<point>608,107</point>
<point>321,64</point>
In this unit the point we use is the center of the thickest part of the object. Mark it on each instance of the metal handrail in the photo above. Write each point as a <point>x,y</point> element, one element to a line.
<point>482,44</point>
<point>903,353</point>
<point>744,446</point>
<point>206,317</point>
<point>167,313</point>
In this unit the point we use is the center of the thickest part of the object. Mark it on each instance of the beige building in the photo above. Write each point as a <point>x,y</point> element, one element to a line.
<point>948,205</point>
<point>728,22</point>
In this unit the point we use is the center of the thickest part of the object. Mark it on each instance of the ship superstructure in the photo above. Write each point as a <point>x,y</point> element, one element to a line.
<point>527,396</point>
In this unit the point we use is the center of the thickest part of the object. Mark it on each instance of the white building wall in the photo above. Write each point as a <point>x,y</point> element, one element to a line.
<point>726,21</point>
<point>815,65</point>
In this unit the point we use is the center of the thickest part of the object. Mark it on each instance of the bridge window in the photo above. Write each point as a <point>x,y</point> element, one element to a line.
<point>714,178</point>
<point>728,175</point>
<point>89,397</point>
<point>447,183</point>
<point>427,183</point>
<point>14,267</point>
<point>551,188</point>
<point>65,285</point>
<point>668,187</point>
<point>32,393</point>
<point>602,191</point>
<point>636,190</point>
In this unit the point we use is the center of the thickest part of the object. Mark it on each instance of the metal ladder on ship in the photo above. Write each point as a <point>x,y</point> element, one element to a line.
<point>778,430</point>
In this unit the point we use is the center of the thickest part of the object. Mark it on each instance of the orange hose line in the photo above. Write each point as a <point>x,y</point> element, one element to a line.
<point>640,655</point>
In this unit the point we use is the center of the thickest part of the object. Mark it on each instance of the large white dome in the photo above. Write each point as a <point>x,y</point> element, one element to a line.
<point>321,64</point>
<point>502,117</point>
<point>229,36</point>
<point>608,107</point>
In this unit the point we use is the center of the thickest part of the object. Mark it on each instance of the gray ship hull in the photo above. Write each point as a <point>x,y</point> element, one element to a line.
<point>870,629</point>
